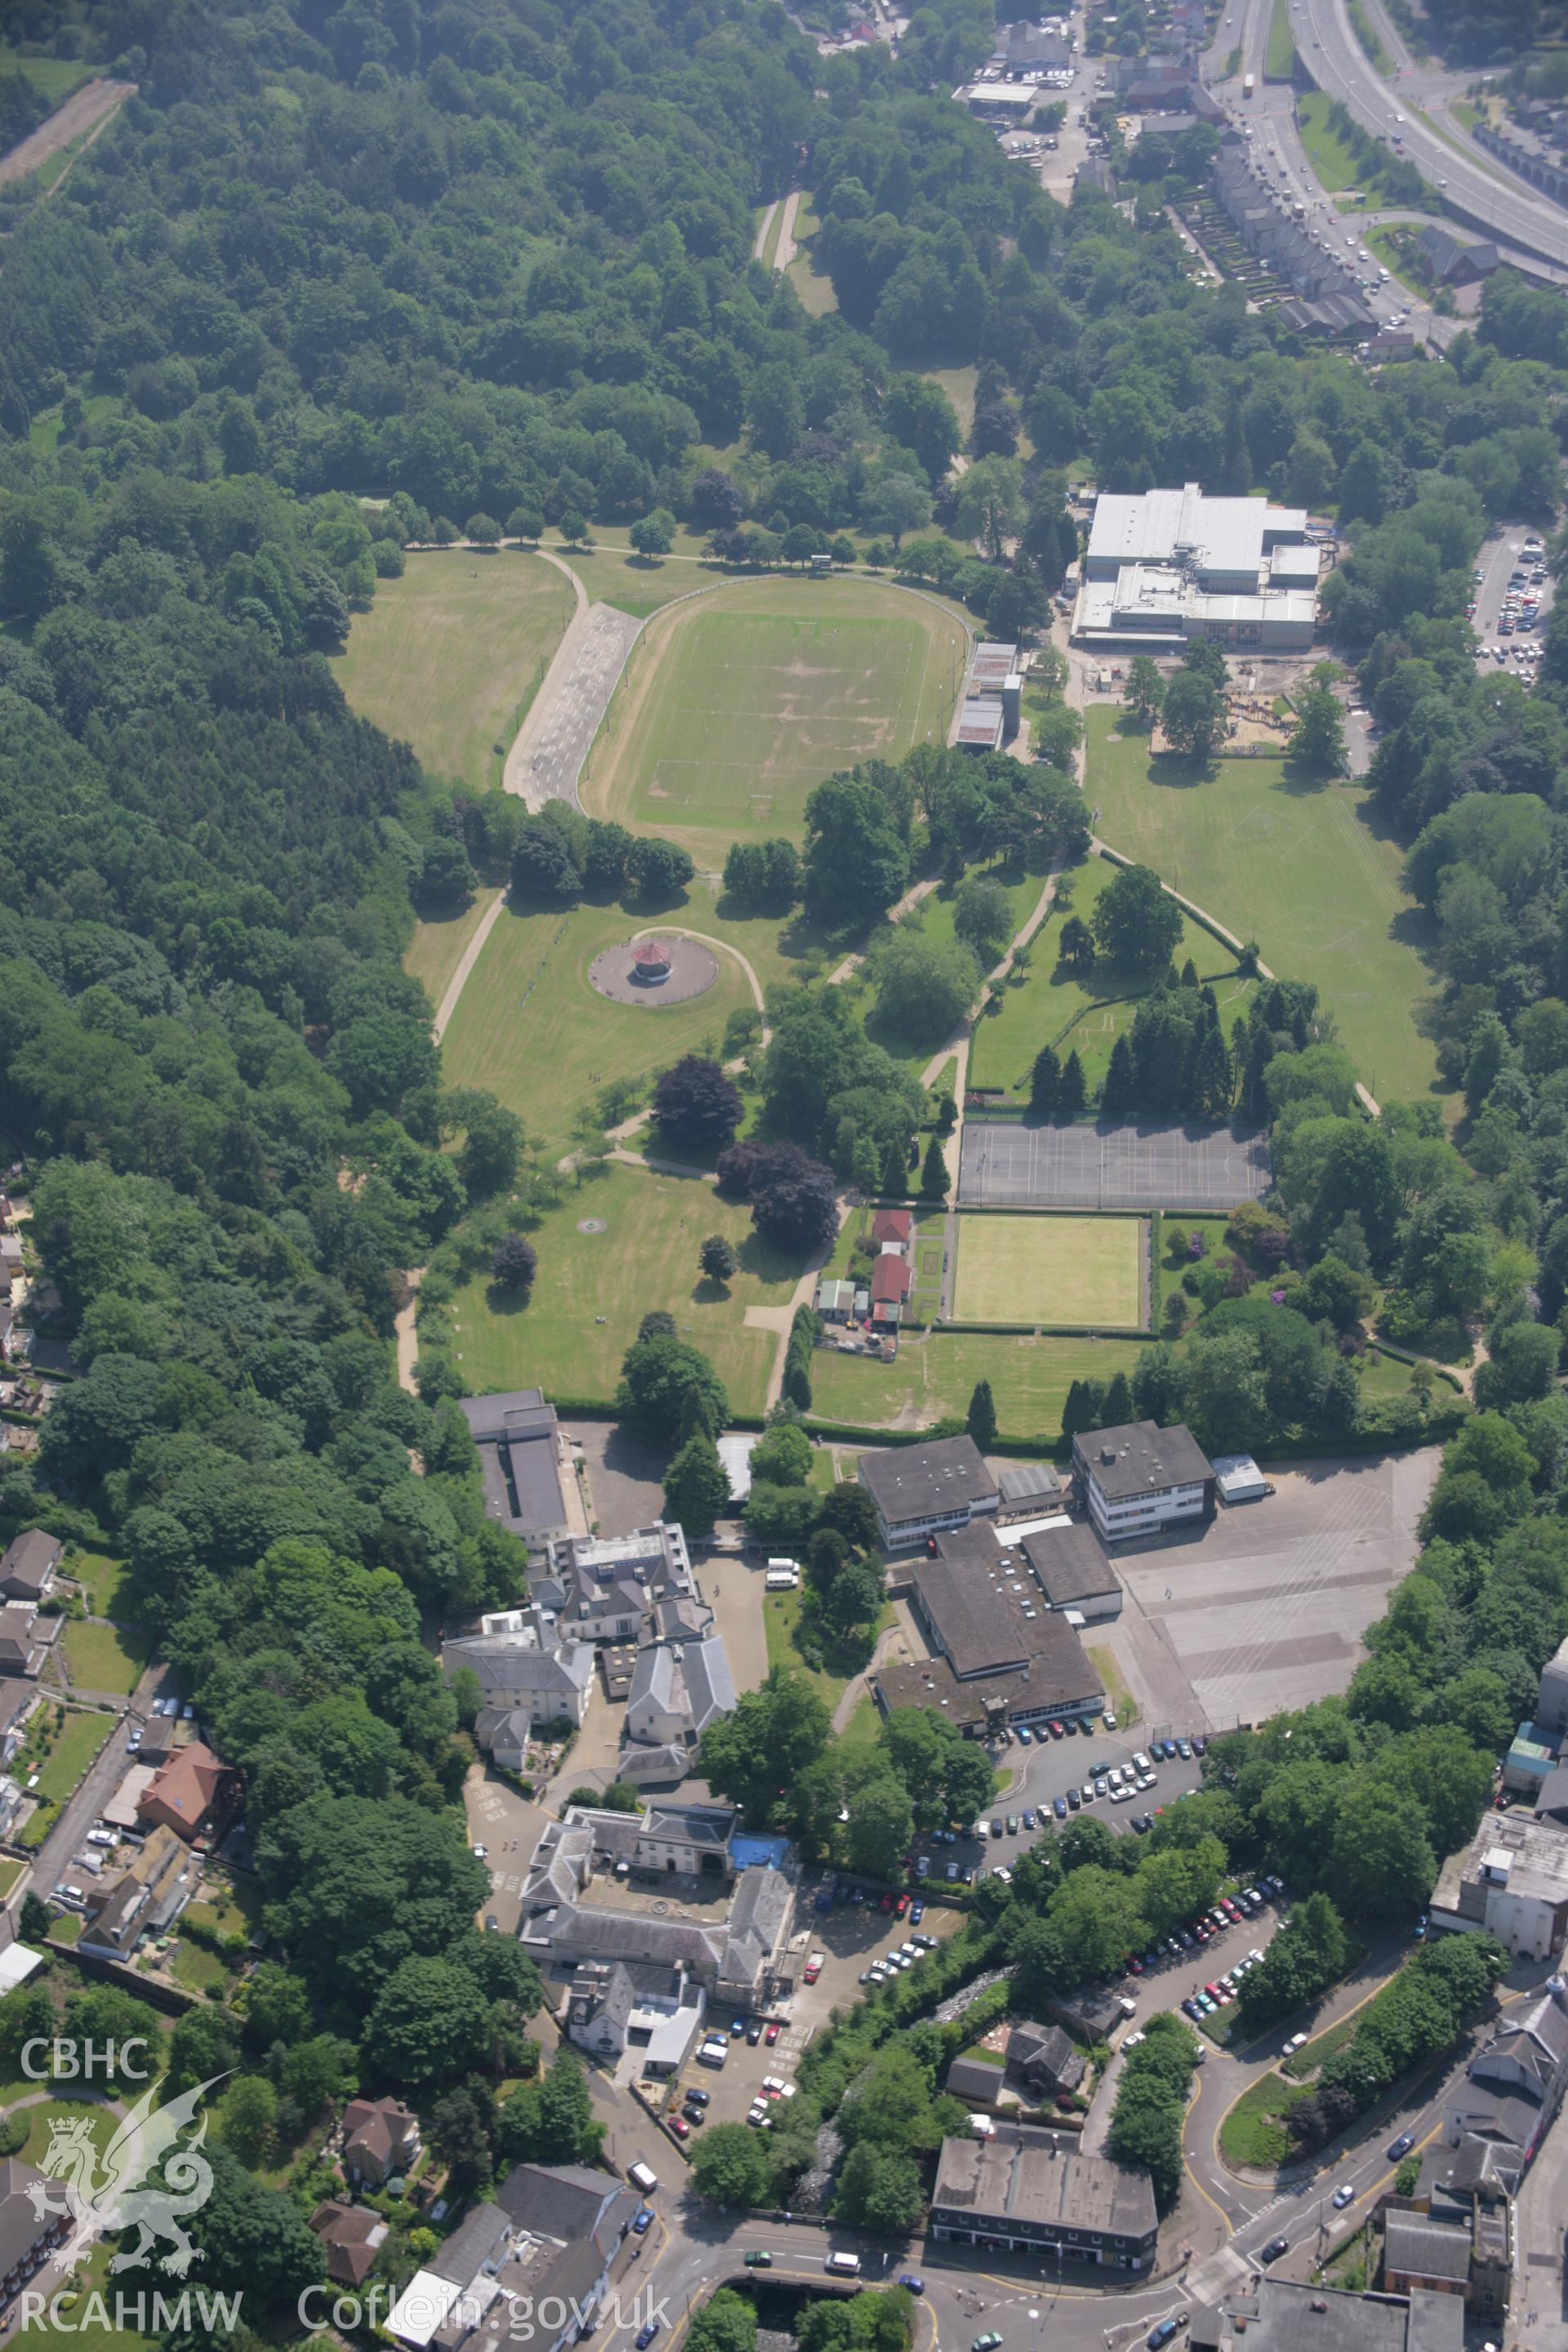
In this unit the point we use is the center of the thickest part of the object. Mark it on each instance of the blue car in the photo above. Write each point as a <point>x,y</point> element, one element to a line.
<point>907,2279</point>
<point>1059,1807</point>
<point>642,2219</point>
<point>917,1913</point>
<point>645,2334</point>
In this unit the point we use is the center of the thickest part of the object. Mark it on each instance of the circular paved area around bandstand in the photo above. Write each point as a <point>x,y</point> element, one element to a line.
<point>692,969</point>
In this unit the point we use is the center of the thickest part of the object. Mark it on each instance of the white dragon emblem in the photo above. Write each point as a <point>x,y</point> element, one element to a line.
<point>147,2143</point>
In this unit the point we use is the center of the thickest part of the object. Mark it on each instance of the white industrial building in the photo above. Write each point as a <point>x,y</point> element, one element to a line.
<point>1169,565</point>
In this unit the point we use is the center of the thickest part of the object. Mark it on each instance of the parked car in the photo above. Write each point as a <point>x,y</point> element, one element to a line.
<point>1075,1800</point>
<point>681,2127</point>
<point>814,1967</point>
<point>772,2035</point>
<point>699,2098</point>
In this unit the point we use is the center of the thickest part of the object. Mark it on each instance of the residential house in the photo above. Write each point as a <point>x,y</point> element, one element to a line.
<point>1421,2254</point>
<point>353,2237</point>
<point>17,1700</point>
<point>1140,1480</point>
<point>193,1794</point>
<point>546,2245</point>
<point>21,1652</point>
<point>142,1899</point>
<point>919,1490</point>
<point>380,2141</point>
<point>1511,2091</point>
<point>1456,260</point>
<point>10,1802</point>
<point>28,1565</point>
<point>642,2005</point>
<point>1045,2058</point>
<point>1036,2192</point>
<point>28,2238</point>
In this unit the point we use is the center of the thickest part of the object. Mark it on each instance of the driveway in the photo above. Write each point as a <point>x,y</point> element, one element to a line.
<point>625,1477</point>
<point>733,1590</point>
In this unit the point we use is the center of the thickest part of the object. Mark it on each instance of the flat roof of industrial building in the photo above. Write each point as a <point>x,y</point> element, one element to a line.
<point>1143,1459</point>
<point>922,1482</point>
<point>1043,2178</point>
<point>1071,1563</point>
<point>1219,534</point>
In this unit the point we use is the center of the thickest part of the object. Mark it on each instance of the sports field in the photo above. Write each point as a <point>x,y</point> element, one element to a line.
<point>734,705</point>
<point>530,1027</point>
<point>1050,1270</point>
<point>448,657</point>
<point>1292,864</point>
<point>935,1375</point>
<point>593,1290</point>
<point>1051,1005</point>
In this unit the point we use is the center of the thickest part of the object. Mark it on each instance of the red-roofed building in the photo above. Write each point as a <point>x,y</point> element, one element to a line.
<point>889,1280</point>
<point>894,1225</point>
<point>191,1794</point>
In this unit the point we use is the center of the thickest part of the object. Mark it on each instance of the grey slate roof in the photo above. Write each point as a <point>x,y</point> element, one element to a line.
<point>507,1665</point>
<point>918,1481</point>
<point>1423,2249</point>
<point>1144,1459</point>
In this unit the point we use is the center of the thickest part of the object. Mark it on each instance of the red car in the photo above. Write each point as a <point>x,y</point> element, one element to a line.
<point>1136,1965</point>
<point>886,1901</point>
<point>772,2035</point>
<point>680,2127</point>
<point>902,1905</point>
<point>813,1968</point>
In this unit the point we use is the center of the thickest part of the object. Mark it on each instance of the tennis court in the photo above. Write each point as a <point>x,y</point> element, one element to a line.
<point>1099,1167</point>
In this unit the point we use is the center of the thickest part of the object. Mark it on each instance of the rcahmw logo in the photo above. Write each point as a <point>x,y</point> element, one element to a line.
<point>152,2179</point>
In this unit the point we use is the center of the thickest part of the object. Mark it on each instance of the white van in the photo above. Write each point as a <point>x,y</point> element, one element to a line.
<point>643,2177</point>
<point>782,1576</point>
<point>843,2265</point>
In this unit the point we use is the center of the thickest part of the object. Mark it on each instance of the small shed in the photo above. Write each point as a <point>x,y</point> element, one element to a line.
<point>1238,1479</point>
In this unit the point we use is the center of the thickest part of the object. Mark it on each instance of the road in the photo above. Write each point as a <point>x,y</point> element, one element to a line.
<point>1488,195</point>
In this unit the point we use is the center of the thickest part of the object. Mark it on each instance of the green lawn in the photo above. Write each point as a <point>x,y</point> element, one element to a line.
<point>1170,1269</point>
<point>448,657</point>
<point>734,708</point>
<point>1119,1696</point>
<point>102,1582</point>
<point>228,1908</point>
<point>1316,2053</point>
<point>107,1657</point>
<point>814,286</point>
<point>436,951</point>
<point>1293,866</point>
<point>531,1027</point>
<point>1367,35</point>
<point>593,1290</point>
<point>936,1374</point>
<point>195,1967</point>
<point>1253,2131</point>
<point>935,920</point>
<point>76,1744</point>
<point>1015,1269</point>
<point>52,77</point>
<point>1051,1005</point>
<point>1280,57</point>
<point>86,2331</point>
<point>781,1614</point>
<point>1331,158</point>
<point>10,1872</point>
